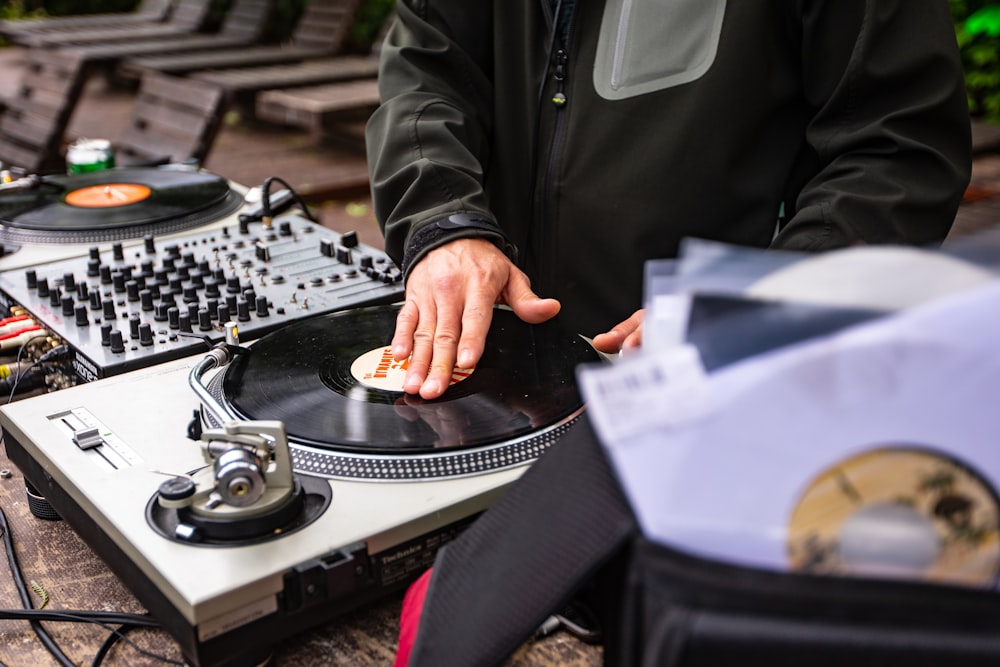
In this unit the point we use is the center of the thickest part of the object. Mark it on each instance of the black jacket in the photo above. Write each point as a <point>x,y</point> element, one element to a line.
<point>841,121</point>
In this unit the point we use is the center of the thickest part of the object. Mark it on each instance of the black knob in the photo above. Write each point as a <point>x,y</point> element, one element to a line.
<point>326,247</point>
<point>212,288</point>
<point>117,251</point>
<point>82,291</point>
<point>118,280</point>
<point>109,310</point>
<point>94,252</point>
<point>174,317</point>
<point>55,297</point>
<point>68,305</point>
<point>69,282</point>
<point>132,290</point>
<point>95,300</point>
<point>31,278</point>
<point>177,488</point>
<point>106,335</point>
<point>81,315</point>
<point>285,228</point>
<point>262,306</point>
<point>93,267</point>
<point>145,334</point>
<point>349,239</point>
<point>366,261</point>
<point>117,343</point>
<point>190,295</point>
<point>233,285</point>
<point>204,320</point>
<point>242,311</point>
<point>133,326</point>
<point>43,286</point>
<point>184,322</point>
<point>162,312</point>
<point>105,272</point>
<point>222,313</point>
<point>150,244</point>
<point>146,300</point>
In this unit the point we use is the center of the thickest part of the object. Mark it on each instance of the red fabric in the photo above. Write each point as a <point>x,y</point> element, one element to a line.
<point>409,617</point>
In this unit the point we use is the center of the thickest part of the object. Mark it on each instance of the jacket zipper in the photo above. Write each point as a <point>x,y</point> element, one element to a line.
<point>560,73</point>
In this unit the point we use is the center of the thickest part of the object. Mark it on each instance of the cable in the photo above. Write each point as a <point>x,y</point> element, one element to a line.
<point>265,200</point>
<point>22,591</point>
<point>104,619</point>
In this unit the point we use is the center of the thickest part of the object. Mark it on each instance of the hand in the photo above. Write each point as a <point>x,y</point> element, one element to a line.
<point>450,295</point>
<point>624,336</point>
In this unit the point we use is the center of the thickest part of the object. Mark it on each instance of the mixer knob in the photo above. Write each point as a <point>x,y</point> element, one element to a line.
<point>204,320</point>
<point>109,310</point>
<point>81,315</point>
<point>31,278</point>
<point>162,312</point>
<point>262,306</point>
<point>118,280</point>
<point>69,282</point>
<point>145,334</point>
<point>132,290</point>
<point>117,251</point>
<point>242,311</point>
<point>184,322</point>
<point>94,252</point>
<point>173,317</point>
<point>43,286</point>
<point>326,247</point>
<point>133,326</point>
<point>150,244</point>
<point>68,305</point>
<point>106,334</point>
<point>146,300</point>
<point>349,239</point>
<point>105,273</point>
<point>55,297</point>
<point>117,342</point>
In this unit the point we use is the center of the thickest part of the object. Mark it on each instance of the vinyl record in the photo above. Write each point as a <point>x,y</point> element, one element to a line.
<point>332,381</point>
<point>909,513</point>
<point>114,204</point>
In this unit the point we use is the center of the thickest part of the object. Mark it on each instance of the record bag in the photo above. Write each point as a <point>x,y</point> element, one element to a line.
<point>568,529</point>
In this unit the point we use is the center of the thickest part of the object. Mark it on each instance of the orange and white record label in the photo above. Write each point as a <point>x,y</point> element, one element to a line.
<point>378,370</point>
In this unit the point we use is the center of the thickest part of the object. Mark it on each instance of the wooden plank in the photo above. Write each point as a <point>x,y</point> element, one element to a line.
<point>317,107</point>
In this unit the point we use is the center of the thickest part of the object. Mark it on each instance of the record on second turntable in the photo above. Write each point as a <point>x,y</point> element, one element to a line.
<point>333,382</point>
<point>114,204</point>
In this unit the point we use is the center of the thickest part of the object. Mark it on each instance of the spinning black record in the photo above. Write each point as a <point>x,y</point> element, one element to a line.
<point>122,203</point>
<point>330,380</point>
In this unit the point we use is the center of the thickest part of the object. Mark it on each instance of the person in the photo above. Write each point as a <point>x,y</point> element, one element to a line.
<point>550,147</point>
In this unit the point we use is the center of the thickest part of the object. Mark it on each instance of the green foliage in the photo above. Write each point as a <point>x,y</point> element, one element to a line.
<point>977,28</point>
<point>371,17</point>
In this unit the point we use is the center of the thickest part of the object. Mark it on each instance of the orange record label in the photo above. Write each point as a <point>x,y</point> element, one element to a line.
<point>378,370</point>
<point>108,195</point>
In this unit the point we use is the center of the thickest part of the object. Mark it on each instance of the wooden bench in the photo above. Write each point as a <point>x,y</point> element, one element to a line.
<point>187,16</point>
<point>148,12</point>
<point>322,30</point>
<point>320,109</point>
<point>34,121</point>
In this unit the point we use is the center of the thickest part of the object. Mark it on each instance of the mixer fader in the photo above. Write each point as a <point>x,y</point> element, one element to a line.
<point>122,306</point>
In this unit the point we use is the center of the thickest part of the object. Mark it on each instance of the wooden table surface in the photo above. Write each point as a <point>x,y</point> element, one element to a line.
<point>74,578</point>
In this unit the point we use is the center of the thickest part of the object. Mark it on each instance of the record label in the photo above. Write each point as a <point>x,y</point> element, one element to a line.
<point>898,513</point>
<point>377,369</point>
<point>107,196</point>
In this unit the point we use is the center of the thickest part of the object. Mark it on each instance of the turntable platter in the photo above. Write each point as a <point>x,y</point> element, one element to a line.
<point>313,376</point>
<point>114,204</point>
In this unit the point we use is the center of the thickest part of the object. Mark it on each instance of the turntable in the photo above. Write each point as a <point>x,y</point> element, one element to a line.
<point>122,297</point>
<point>47,218</point>
<point>315,484</point>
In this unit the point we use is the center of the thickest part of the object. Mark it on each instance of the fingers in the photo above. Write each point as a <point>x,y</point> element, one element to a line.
<point>625,335</point>
<point>449,307</point>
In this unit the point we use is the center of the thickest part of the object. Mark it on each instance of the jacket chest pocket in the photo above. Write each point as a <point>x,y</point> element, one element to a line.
<point>650,45</point>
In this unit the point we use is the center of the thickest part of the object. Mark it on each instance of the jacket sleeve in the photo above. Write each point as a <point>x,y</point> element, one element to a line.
<point>889,139</point>
<point>429,141</point>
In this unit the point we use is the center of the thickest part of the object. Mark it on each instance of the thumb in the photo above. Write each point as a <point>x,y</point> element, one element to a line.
<point>525,303</point>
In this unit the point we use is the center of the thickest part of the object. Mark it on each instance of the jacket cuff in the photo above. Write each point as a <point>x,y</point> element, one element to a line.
<point>450,228</point>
